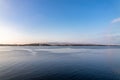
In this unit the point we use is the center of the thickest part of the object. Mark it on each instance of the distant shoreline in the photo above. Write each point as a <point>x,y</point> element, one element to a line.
<point>56,45</point>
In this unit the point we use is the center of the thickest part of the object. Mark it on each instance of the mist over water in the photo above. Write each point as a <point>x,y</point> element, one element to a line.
<point>60,63</point>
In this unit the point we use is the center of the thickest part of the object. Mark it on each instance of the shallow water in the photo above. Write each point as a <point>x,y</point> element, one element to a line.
<point>60,63</point>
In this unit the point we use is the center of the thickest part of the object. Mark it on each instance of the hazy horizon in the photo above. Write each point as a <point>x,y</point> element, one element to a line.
<point>73,21</point>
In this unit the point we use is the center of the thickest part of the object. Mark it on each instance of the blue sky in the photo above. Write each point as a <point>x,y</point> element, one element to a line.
<point>79,21</point>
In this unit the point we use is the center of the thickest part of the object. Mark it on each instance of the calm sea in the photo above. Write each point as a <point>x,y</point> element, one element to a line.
<point>60,63</point>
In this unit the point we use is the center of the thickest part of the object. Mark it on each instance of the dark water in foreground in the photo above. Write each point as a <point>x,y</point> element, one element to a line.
<point>60,63</point>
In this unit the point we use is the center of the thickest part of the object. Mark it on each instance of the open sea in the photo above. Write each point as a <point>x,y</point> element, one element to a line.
<point>59,63</point>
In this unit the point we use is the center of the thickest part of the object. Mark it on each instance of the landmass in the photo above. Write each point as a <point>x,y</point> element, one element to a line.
<point>57,44</point>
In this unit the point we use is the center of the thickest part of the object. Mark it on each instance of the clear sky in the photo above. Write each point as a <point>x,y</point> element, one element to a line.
<point>79,21</point>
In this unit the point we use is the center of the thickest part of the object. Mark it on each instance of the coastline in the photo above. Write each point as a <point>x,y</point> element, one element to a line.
<point>56,44</point>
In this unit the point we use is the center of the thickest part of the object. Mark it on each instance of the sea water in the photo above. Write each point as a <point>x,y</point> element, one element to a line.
<point>59,63</point>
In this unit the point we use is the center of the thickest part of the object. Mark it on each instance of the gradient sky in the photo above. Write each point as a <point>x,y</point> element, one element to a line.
<point>79,21</point>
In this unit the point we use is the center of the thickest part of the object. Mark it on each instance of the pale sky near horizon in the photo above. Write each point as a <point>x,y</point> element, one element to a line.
<point>79,21</point>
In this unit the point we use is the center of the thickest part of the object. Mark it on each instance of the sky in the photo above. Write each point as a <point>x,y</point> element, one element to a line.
<point>78,21</point>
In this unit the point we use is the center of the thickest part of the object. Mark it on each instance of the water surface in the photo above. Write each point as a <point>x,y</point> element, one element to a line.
<point>59,63</point>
